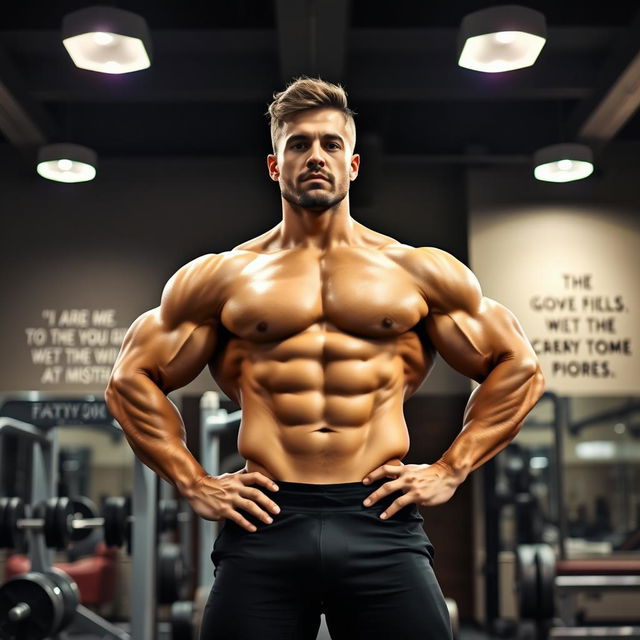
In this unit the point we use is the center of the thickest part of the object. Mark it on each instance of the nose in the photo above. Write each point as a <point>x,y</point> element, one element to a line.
<point>315,158</point>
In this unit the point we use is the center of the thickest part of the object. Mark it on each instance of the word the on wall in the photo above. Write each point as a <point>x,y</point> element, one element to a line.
<point>581,337</point>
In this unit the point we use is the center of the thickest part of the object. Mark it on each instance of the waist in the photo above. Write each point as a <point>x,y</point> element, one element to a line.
<point>344,496</point>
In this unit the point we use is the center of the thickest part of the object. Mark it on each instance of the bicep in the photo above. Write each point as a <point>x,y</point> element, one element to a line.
<point>474,341</point>
<point>171,355</point>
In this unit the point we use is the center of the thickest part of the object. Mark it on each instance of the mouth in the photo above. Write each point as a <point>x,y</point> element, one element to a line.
<point>316,177</point>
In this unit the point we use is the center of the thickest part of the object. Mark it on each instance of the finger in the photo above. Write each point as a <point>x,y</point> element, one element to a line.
<point>240,521</point>
<point>251,507</point>
<point>381,492</point>
<point>385,471</point>
<point>256,477</point>
<point>257,496</point>
<point>395,506</point>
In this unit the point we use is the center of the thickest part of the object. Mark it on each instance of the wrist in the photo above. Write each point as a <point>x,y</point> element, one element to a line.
<point>456,473</point>
<point>189,488</point>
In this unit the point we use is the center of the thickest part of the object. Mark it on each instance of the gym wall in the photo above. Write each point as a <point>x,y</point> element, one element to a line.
<point>564,258</point>
<point>107,247</point>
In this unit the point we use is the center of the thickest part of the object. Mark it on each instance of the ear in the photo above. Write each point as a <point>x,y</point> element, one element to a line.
<point>354,166</point>
<point>272,165</point>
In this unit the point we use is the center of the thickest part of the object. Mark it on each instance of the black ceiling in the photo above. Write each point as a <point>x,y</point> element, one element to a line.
<point>216,64</point>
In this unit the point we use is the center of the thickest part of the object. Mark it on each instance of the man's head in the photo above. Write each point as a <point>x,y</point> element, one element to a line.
<point>313,136</point>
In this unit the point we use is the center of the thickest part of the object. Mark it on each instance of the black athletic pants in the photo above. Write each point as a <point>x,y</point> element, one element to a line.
<point>326,552</point>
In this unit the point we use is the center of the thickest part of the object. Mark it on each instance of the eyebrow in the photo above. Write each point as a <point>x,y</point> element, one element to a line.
<point>301,137</point>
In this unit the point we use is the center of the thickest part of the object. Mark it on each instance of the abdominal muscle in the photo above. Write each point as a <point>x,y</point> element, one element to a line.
<point>322,422</point>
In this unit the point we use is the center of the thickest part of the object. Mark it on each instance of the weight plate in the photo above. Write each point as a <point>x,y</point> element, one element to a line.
<point>47,609</point>
<point>182,620</point>
<point>58,515</point>
<point>171,573</point>
<point>167,515</point>
<point>546,569</point>
<point>70,595</point>
<point>5,533</point>
<point>15,510</point>
<point>83,509</point>
<point>128,528</point>
<point>116,514</point>
<point>527,581</point>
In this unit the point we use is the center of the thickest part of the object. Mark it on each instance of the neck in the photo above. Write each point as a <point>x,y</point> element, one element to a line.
<point>324,229</point>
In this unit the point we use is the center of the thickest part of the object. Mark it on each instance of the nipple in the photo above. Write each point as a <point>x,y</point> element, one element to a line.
<point>387,323</point>
<point>262,326</point>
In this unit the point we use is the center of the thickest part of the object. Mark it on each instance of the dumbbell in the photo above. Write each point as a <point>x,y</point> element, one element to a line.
<point>34,606</point>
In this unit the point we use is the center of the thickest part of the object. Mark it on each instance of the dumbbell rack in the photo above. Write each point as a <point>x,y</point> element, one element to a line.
<point>144,543</point>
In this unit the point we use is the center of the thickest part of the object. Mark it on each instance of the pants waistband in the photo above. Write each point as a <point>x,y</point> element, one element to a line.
<point>346,496</point>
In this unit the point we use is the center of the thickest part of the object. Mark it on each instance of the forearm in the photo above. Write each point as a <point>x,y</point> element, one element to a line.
<point>154,429</point>
<point>493,416</point>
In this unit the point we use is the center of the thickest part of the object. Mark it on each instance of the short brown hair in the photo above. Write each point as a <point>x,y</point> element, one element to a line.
<point>307,93</point>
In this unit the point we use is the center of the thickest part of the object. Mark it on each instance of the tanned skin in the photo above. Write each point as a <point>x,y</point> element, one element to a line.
<point>320,329</point>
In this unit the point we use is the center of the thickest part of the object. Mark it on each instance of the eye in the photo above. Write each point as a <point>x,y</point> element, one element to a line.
<point>333,145</point>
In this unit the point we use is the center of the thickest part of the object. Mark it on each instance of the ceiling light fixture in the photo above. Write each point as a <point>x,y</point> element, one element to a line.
<point>107,40</point>
<point>563,163</point>
<point>501,38</point>
<point>67,163</point>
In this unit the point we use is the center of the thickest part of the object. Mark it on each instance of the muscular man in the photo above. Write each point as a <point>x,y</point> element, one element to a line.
<point>320,329</point>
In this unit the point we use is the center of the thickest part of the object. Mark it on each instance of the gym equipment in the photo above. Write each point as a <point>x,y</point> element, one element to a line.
<point>11,536</point>
<point>182,624</point>
<point>40,447</point>
<point>527,581</point>
<point>172,574</point>
<point>454,617</point>
<point>213,421</point>
<point>168,515</point>
<point>83,509</point>
<point>117,521</point>
<point>35,605</point>
<point>543,582</point>
<point>58,520</point>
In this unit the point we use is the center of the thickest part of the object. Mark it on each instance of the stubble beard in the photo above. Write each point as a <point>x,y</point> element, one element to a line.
<point>315,200</point>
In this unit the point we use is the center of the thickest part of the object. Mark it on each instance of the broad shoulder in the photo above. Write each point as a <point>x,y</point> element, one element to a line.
<point>446,283</point>
<point>197,291</point>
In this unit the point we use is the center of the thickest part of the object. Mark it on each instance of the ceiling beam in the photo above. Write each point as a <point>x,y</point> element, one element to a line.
<point>616,95</point>
<point>249,79</point>
<point>312,38</point>
<point>23,121</point>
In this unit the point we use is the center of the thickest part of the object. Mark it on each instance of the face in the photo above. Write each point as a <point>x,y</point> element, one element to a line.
<point>314,163</point>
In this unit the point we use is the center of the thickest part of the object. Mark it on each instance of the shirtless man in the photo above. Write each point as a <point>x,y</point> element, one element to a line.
<point>320,329</point>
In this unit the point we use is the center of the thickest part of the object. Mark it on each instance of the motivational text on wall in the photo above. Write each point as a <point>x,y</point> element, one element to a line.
<point>75,346</point>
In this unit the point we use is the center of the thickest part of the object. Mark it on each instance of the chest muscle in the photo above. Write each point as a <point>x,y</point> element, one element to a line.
<point>357,291</point>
